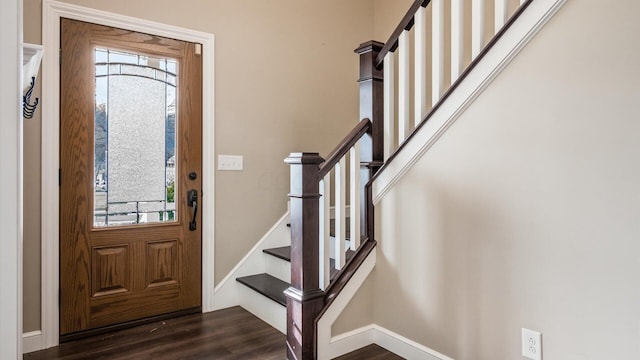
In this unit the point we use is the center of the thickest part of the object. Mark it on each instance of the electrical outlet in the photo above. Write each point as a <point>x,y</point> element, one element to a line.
<point>531,344</point>
<point>230,162</point>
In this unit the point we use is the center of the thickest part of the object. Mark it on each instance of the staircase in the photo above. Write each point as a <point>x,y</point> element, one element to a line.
<point>403,93</point>
<point>272,283</point>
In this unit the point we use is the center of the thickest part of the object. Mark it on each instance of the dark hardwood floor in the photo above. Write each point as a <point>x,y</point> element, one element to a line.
<point>371,352</point>
<point>227,334</point>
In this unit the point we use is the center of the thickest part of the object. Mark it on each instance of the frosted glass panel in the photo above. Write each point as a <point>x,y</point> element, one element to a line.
<point>134,152</point>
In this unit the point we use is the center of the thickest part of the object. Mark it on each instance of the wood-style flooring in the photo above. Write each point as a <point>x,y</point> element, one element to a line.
<point>227,334</point>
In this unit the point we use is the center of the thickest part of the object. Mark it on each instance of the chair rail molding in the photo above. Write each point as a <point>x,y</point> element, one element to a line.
<point>51,13</point>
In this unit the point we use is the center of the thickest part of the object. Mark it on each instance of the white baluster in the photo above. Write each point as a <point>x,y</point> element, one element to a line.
<point>325,237</point>
<point>500,14</point>
<point>403,86</point>
<point>389,104</point>
<point>437,50</point>
<point>340,207</point>
<point>477,27</point>
<point>420,65</point>
<point>457,38</point>
<point>354,203</point>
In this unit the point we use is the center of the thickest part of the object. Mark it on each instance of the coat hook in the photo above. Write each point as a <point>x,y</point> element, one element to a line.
<point>29,109</point>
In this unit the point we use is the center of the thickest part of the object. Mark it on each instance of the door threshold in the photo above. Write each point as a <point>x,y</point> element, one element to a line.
<point>126,325</point>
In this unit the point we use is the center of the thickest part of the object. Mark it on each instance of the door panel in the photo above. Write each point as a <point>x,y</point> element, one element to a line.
<point>126,249</point>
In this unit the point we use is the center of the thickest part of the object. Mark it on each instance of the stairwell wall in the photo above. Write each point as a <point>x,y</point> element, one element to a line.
<point>525,213</point>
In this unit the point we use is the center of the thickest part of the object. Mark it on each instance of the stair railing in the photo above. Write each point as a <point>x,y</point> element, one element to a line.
<point>386,127</point>
<point>316,253</point>
<point>439,62</point>
<point>321,264</point>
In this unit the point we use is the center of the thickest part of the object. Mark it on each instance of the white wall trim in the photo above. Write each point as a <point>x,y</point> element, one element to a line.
<point>327,349</point>
<point>51,14</point>
<point>351,341</point>
<point>404,347</point>
<point>375,334</point>
<point>497,58</point>
<point>32,341</point>
<point>11,179</point>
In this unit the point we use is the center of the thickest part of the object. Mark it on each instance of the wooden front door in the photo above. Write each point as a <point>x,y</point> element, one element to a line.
<point>130,189</point>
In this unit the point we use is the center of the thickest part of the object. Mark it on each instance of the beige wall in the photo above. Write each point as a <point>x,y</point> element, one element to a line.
<point>285,81</point>
<point>387,15</point>
<point>526,212</point>
<point>358,312</point>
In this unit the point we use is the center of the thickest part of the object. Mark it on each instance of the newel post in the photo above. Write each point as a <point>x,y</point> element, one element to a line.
<point>371,83</point>
<point>304,297</point>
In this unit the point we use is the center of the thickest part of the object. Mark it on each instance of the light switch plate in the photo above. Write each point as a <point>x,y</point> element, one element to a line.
<point>230,162</point>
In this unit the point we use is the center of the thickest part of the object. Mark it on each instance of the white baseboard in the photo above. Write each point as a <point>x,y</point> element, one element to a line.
<point>351,341</point>
<point>375,334</point>
<point>530,22</point>
<point>404,347</point>
<point>32,341</point>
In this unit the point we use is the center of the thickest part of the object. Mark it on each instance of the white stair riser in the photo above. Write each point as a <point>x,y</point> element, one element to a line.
<point>264,308</point>
<point>278,268</point>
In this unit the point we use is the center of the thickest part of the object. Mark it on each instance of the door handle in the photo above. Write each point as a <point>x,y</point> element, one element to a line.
<point>192,202</point>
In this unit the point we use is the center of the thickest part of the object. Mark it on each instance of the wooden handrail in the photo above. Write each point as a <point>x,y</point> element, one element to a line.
<point>405,24</point>
<point>363,127</point>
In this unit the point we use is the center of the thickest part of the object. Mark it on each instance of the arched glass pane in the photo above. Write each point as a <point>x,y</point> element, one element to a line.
<point>134,139</point>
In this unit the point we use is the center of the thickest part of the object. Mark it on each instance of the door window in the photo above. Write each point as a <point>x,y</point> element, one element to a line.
<point>135,139</point>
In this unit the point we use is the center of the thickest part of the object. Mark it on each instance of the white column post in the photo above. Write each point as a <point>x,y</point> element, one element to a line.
<point>500,14</point>
<point>354,201</point>
<point>477,27</point>
<point>340,207</point>
<point>324,236</point>
<point>420,66</point>
<point>403,86</point>
<point>437,50</point>
<point>457,38</point>
<point>389,104</point>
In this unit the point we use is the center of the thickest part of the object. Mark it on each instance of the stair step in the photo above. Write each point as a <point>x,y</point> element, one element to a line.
<point>267,285</point>
<point>283,253</point>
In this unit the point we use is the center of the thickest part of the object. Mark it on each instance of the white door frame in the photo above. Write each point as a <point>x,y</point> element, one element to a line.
<point>51,13</point>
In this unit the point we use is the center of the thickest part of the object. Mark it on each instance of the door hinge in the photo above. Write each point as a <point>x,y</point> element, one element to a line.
<point>59,56</point>
<point>59,177</point>
<point>198,49</point>
<point>59,297</point>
